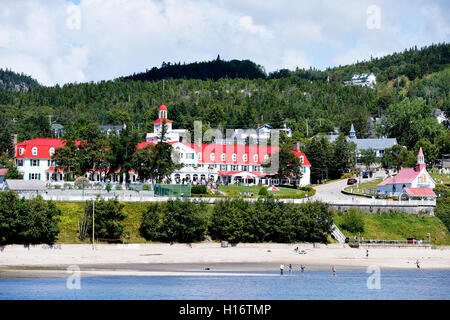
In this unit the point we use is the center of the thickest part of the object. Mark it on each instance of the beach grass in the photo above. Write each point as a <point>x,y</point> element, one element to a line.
<point>400,226</point>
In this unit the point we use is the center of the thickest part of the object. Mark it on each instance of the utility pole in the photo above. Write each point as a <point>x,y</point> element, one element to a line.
<point>93,223</point>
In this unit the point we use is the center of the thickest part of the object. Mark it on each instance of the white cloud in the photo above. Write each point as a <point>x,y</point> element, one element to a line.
<point>58,42</point>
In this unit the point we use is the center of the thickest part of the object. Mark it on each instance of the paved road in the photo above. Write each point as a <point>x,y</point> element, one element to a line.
<point>332,191</point>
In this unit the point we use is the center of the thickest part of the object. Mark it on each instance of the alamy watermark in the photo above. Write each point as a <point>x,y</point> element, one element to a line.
<point>374,19</point>
<point>374,280</point>
<point>73,282</point>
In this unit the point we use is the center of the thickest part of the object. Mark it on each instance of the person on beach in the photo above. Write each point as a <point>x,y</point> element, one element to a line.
<point>418,264</point>
<point>334,271</point>
<point>367,253</point>
<point>281,269</point>
<point>302,268</point>
<point>290,269</point>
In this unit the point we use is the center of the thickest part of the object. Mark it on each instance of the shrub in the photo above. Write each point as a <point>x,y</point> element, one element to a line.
<point>346,176</point>
<point>442,190</point>
<point>108,187</point>
<point>199,189</point>
<point>146,187</point>
<point>118,187</point>
<point>175,221</point>
<point>237,220</point>
<point>263,192</point>
<point>442,211</point>
<point>27,221</point>
<point>108,219</point>
<point>353,221</point>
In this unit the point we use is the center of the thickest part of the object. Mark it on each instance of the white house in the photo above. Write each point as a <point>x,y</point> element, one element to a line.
<point>202,162</point>
<point>363,80</point>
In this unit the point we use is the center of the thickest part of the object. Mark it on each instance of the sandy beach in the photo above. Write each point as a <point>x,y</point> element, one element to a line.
<point>206,259</point>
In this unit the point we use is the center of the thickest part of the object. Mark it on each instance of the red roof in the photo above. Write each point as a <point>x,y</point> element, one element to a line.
<point>53,169</point>
<point>406,175</point>
<point>229,150</point>
<point>420,192</point>
<point>162,107</point>
<point>142,145</point>
<point>305,159</point>
<point>420,152</point>
<point>160,120</point>
<point>42,145</point>
<point>3,171</point>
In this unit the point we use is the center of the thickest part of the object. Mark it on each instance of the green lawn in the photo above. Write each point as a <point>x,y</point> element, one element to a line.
<point>233,190</point>
<point>361,188</point>
<point>399,226</point>
<point>440,178</point>
<point>73,210</point>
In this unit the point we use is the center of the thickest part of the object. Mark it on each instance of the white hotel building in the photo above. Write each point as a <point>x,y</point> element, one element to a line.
<point>202,162</point>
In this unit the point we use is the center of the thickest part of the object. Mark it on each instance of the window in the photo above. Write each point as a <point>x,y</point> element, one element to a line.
<point>34,176</point>
<point>52,151</point>
<point>233,168</point>
<point>34,151</point>
<point>20,162</point>
<point>245,158</point>
<point>212,156</point>
<point>266,157</point>
<point>234,157</point>
<point>21,151</point>
<point>223,167</point>
<point>223,157</point>
<point>301,159</point>
<point>199,156</point>
<point>255,158</point>
<point>245,168</point>
<point>34,163</point>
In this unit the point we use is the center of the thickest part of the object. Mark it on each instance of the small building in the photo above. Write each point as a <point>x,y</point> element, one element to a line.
<point>26,186</point>
<point>58,130</point>
<point>3,174</point>
<point>414,182</point>
<point>376,144</point>
<point>112,129</point>
<point>362,80</point>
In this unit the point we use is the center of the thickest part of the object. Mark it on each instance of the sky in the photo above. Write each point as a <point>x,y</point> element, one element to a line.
<point>62,41</point>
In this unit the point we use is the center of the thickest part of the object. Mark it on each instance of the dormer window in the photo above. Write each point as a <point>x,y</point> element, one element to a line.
<point>266,157</point>
<point>255,158</point>
<point>245,158</point>
<point>52,151</point>
<point>21,151</point>
<point>212,156</point>
<point>234,157</point>
<point>301,159</point>
<point>199,156</point>
<point>34,151</point>
<point>223,157</point>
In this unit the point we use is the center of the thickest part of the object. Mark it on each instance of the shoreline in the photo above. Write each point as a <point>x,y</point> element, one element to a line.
<point>204,259</point>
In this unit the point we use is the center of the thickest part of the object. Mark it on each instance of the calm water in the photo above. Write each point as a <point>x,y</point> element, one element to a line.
<point>399,284</point>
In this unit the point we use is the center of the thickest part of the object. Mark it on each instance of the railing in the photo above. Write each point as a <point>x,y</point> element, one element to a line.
<point>413,242</point>
<point>337,234</point>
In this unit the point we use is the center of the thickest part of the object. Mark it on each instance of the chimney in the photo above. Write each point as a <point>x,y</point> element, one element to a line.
<point>296,146</point>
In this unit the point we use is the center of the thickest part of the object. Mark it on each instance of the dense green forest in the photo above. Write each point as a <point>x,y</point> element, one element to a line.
<point>308,107</point>
<point>214,70</point>
<point>10,80</point>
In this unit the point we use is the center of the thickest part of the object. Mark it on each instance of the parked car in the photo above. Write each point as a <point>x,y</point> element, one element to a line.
<point>367,174</point>
<point>351,181</point>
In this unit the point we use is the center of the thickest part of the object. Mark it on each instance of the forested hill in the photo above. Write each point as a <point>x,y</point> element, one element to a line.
<point>10,80</point>
<point>211,70</point>
<point>412,63</point>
